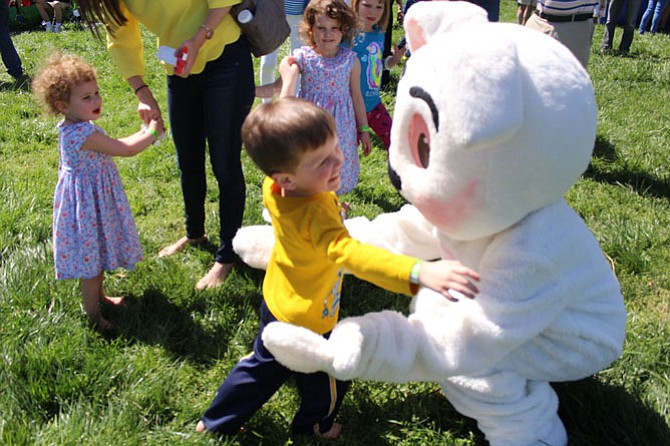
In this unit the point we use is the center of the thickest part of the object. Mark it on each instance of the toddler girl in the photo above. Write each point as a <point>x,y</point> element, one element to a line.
<point>93,228</point>
<point>329,77</point>
<point>369,46</point>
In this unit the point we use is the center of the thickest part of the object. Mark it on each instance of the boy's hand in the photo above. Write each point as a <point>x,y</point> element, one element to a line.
<point>287,66</point>
<point>445,275</point>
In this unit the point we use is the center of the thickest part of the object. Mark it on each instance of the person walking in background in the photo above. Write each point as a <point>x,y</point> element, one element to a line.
<point>207,103</point>
<point>329,77</point>
<point>524,10</point>
<point>10,57</point>
<point>294,10</point>
<point>613,11</point>
<point>388,41</point>
<point>93,227</point>
<point>654,12</point>
<point>368,45</point>
<point>568,21</point>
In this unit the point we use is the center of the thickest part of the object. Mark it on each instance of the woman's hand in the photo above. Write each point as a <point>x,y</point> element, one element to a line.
<point>192,45</point>
<point>148,108</point>
<point>191,48</point>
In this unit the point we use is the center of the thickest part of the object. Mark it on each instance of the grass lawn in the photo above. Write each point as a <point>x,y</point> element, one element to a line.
<point>63,383</point>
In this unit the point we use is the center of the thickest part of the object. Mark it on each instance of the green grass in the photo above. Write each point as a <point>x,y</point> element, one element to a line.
<point>62,383</point>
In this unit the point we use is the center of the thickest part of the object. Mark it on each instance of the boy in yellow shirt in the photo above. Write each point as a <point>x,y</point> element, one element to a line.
<point>294,142</point>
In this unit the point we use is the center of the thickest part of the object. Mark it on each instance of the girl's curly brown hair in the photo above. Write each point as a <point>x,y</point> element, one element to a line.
<point>334,9</point>
<point>58,75</point>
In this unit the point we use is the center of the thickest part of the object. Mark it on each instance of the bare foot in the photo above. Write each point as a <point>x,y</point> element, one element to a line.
<point>200,427</point>
<point>103,324</point>
<point>215,277</point>
<point>116,301</point>
<point>180,245</point>
<point>333,433</point>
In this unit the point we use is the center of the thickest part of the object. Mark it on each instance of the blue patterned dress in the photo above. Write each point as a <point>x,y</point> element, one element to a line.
<point>325,81</point>
<point>93,226</point>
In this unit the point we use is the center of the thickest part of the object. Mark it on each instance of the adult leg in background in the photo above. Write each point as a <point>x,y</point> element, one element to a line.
<point>231,82</point>
<point>610,25</point>
<point>10,57</point>
<point>632,9</point>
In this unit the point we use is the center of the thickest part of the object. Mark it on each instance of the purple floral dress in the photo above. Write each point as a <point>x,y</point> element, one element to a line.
<point>93,227</point>
<point>325,81</point>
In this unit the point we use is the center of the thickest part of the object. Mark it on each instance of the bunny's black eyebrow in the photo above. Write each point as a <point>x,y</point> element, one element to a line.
<point>418,92</point>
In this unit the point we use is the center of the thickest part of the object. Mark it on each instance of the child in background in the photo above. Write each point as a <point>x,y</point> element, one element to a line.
<point>93,228</point>
<point>52,24</point>
<point>373,15</point>
<point>329,77</point>
<point>294,142</point>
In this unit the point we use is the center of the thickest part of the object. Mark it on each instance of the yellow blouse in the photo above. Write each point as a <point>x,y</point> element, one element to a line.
<point>173,22</point>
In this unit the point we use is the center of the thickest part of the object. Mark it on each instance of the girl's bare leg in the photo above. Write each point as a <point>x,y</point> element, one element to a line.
<point>90,291</point>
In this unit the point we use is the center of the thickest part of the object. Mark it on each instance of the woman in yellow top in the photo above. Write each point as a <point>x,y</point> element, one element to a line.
<point>207,101</point>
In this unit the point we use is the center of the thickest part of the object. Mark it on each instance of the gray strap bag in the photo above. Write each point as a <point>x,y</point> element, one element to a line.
<point>263,23</point>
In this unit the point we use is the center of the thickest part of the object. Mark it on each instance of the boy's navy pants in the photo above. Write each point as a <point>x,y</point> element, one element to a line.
<point>257,377</point>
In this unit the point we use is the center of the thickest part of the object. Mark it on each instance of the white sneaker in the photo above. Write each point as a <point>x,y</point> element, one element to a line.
<point>47,27</point>
<point>57,27</point>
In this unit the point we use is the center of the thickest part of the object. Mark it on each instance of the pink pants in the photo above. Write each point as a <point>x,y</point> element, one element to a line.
<point>380,121</point>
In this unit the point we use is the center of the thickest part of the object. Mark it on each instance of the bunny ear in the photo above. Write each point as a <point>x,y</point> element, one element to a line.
<point>425,20</point>
<point>416,38</point>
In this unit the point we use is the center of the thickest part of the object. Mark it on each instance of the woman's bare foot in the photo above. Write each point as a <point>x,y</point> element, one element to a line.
<point>180,245</point>
<point>215,277</point>
<point>116,301</point>
<point>333,433</point>
<point>200,427</point>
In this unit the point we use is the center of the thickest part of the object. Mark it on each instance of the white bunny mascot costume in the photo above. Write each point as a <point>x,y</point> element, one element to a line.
<point>493,123</point>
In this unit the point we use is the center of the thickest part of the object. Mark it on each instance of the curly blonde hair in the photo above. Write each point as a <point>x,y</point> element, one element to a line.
<point>55,80</point>
<point>334,9</point>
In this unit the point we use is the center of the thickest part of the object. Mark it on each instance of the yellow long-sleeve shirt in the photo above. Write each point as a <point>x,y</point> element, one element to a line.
<point>173,22</point>
<point>304,276</point>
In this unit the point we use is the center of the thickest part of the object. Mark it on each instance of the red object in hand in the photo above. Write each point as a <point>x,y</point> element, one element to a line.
<point>182,56</point>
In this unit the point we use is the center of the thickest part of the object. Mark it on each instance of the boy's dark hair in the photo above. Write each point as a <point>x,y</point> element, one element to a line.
<point>276,134</point>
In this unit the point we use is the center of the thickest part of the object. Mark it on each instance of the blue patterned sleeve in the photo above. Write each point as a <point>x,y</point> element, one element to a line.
<point>76,134</point>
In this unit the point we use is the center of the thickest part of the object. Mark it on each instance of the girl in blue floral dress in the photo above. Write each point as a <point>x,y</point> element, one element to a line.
<point>93,227</point>
<point>329,77</point>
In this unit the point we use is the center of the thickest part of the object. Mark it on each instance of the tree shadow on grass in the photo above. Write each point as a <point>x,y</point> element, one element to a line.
<point>640,181</point>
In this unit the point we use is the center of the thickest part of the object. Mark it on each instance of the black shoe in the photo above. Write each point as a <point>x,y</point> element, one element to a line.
<point>22,82</point>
